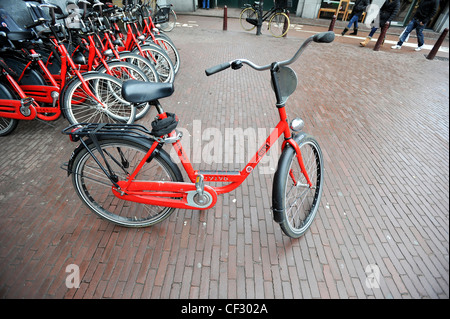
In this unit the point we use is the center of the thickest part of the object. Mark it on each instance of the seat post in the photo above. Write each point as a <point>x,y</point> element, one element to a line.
<point>159,109</point>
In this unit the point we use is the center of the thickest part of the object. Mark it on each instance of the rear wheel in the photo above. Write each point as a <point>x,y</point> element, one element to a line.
<point>95,189</point>
<point>250,14</point>
<point>142,63</point>
<point>7,125</point>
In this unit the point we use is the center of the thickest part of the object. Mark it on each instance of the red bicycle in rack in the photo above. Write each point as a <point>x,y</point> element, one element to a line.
<point>135,42</point>
<point>123,174</point>
<point>88,97</point>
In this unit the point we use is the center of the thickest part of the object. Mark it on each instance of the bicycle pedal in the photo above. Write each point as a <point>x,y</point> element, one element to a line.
<point>26,102</point>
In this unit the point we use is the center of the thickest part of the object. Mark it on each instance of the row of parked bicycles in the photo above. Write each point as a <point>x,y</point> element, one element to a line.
<point>73,61</point>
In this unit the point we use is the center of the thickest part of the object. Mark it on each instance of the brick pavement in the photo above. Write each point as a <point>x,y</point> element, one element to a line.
<point>382,119</point>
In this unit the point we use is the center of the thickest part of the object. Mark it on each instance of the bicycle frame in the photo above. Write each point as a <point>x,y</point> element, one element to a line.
<point>131,42</point>
<point>96,58</point>
<point>176,194</point>
<point>37,93</point>
<point>268,13</point>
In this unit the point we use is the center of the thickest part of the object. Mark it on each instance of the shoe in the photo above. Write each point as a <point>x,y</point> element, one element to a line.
<point>418,48</point>
<point>344,32</point>
<point>396,47</point>
<point>355,32</point>
<point>365,42</point>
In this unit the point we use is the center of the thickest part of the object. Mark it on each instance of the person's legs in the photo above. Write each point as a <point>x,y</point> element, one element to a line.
<point>372,32</point>
<point>367,40</point>
<point>420,37</point>
<point>411,25</point>
<point>355,28</point>
<point>354,19</point>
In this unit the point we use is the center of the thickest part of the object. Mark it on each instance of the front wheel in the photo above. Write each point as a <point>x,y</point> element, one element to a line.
<point>126,71</point>
<point>142,63</point>
<point>279,24</point>
<point>161,61</point>
<point>7,125</point>
<point>98,99</point>
<point>170,23</point>
<point>295,203</point>
<point>170,49</point>
<point>123,156</point>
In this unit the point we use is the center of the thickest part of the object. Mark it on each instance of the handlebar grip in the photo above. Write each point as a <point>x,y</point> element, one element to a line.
<point>324,37</point>
<point>217,68</point>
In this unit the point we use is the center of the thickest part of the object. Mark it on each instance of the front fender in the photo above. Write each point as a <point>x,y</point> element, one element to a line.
<point>283,165</point>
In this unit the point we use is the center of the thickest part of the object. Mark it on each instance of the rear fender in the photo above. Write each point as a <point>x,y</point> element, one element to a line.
<point>146,143</point>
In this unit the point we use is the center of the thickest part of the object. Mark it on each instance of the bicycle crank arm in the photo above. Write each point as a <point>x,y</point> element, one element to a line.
<point>166,194</point>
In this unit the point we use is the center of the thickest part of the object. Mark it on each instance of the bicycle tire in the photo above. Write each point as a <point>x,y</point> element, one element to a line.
<point>79,107</point>
<point>95,189</point>
<point>279,24</point>
<point>170,49</point>
<point>164,35</point>
<point>142,63</point>
<point>7,125</point>
<point>295,204</point>
<point>170,24</point>
<point>161,62</point>
<point>133,73</point>
<point>250,13</point>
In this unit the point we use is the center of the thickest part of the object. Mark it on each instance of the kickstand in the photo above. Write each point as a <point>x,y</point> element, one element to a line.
<point>46,122</point>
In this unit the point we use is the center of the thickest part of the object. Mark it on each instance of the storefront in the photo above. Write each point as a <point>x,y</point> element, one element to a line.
<point>310,8</point>
<point>407,10</point>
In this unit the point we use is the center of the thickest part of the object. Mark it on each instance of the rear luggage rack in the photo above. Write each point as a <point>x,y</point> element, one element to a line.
<point>108,129</point>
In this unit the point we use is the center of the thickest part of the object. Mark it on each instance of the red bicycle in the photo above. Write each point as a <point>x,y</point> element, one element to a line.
<point>88,97</point>
<point>154,35</point>
<point>123,174</point>
<point>135,42</point>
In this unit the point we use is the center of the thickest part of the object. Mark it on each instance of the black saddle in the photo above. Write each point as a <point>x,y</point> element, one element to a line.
<point>140,92</point>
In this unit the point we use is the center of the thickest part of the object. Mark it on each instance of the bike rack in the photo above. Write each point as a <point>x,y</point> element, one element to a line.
<point>77,131</point>
<point>108,129</point>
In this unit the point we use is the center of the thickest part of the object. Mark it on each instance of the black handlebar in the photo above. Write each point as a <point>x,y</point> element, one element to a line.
<point>217,68</point>
<point>323,37</point>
